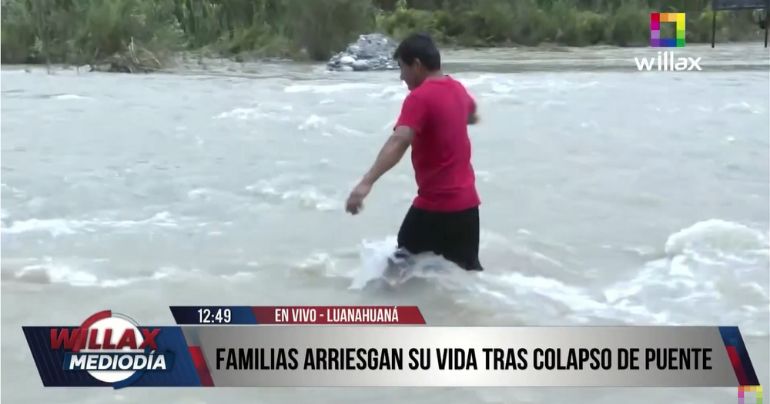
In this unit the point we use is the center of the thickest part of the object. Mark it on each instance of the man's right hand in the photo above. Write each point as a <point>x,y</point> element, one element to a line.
<point>355,201</point>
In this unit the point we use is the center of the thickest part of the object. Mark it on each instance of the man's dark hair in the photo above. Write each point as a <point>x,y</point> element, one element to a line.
<point>419,46</point>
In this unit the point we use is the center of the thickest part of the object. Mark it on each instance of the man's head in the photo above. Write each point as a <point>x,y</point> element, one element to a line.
<point>417,57</point>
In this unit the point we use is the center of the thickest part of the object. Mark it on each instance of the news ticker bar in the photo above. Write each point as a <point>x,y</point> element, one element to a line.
<point>111,349</point>
<point>251,315</point>
<point>474,356</point>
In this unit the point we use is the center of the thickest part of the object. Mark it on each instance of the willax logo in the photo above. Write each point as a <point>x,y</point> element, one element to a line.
<point>667,61</point>
<point>655,38</point>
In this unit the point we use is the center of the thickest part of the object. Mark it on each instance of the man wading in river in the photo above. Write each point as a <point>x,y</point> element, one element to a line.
<point>444,217</point>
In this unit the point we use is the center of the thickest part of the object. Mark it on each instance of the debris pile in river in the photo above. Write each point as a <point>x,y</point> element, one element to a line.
<point>136,59</point>
<point>369,52</point>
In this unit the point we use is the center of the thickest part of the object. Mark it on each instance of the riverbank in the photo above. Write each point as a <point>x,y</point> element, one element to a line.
<point>141,35</point>
<point>521,59</point>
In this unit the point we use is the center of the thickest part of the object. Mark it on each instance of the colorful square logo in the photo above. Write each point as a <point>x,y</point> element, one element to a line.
<point>655,38</point>
<point>743,397</point>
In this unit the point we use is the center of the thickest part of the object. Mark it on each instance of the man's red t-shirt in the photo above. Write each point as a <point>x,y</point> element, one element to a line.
<point>438,113</point>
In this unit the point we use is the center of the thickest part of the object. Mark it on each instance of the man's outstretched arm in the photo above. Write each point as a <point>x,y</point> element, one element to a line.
<point>390,154</point>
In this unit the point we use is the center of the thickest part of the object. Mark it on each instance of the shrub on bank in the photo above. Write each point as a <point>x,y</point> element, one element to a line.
<point>323,27</point>
<point>84,31</point>
<point>629,25</point>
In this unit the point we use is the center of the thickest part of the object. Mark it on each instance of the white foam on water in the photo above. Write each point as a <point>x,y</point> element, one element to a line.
<point>240,113</point>
<point>320,264</point>
<point>348,131</point>
<point>56,227</point>
<point>543,300</point>
<point>310,197</point>
<point>501,88</point>
<point>682,291</point>
<point>495,294</point>
<point>703,108</point>
<point>502,85</point>
<point>519,254</point>
<point>534,299</point>
<point>327,88</point>
<point>716,234</point>
<point>711,272</point>
<point>55,273</point>
<point>163,273</point>
<point>542,257</point>
<point>691,286</point>
<point>160,219</point>
<point>374,260</point>
<point>573,297</point>
<point>238,277</point>
<point>282,189</point>
<point>271,111</point>
<point>51,272</point>
<point>70,97</point>
<point>393,92</point>
<point>313,122</point>
<point>200,193</point>
<point>742,106</point>
<point>16,192</point>
<point>263,187</point>
<point>374,254</point>
<point>510,99</point>
<point>60,227</point>
<point>471,82</point>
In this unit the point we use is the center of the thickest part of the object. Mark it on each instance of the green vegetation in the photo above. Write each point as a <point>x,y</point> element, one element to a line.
<point>566,22</point>
<point>142,34</point>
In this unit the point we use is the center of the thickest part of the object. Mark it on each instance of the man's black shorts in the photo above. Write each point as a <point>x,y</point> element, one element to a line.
<point>453,235</point>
